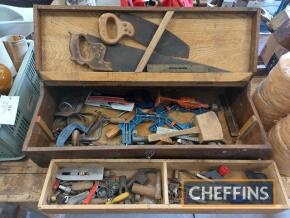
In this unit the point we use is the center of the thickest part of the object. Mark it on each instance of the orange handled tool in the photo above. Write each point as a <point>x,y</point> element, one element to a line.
<point>186,102</point>
<point>92,192</point>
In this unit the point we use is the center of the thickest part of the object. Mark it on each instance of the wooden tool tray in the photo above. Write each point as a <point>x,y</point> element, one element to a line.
<point>41,148</point>
<point>224,38</point>
<point>129,166</point>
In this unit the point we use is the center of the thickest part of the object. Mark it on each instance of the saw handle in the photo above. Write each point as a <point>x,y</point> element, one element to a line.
<point>108,22</point>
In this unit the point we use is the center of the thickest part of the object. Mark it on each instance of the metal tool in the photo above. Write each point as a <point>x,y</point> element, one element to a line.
<point>65,189</point>
<point>183,68</point>
<point>145,30</point>
<point>140,176</point>
<point>102,192</point>
<point>67,131</point>
<point>77,199</point>
<point>122,57</point>
<point>123,188</point>
<point>230,119</point>
<point>80,173</point>
<point>162,130</point>
<point>136,139</point>
<point>255,175</point>
<point>159,120</point>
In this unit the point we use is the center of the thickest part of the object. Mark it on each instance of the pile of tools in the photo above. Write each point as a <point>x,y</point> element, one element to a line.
<point>96,185</point>
<point>76,126</point>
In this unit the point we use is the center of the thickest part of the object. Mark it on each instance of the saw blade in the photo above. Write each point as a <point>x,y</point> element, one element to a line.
<point>169,44</point>
<point>125,58</point>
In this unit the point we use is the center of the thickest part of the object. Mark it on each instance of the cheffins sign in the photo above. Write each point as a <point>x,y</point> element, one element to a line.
<point>228,191</point>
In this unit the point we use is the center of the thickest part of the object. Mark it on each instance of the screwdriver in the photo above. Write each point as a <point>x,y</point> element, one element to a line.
<point>119,198</point>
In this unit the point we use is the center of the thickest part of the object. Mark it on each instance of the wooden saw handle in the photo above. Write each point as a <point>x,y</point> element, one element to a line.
<point>108,22</point>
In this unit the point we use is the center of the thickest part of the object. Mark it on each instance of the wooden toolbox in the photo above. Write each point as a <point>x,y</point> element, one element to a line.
<point>228,42</point>
<point>128,167</point>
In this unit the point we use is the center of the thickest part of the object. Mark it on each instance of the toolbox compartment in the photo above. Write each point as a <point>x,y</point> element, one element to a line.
<point>237,167</point>
<point>41,149</point>
<point>229,43</point>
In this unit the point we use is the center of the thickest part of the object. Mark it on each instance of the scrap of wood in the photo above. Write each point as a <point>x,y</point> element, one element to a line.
<point>251,122</point>
<point>45,128</point>
<point>207,126</point>
<point>152,45</point>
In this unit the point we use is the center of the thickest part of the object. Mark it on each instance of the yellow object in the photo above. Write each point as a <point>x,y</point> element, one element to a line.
<point>5,79</point>
<point>119,198</point>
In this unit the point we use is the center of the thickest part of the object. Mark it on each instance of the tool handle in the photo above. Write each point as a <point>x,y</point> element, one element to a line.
<point>158,186</point>
<point>91,194</point>
<point>144,190</point>
<point>83,185</point>
<point>123,28</point>
<point>114,131</point>
<point>117,120</point>
<point>119,198</point>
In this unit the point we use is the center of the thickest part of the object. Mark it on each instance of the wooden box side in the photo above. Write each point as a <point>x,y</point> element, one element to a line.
<point>166,166</point>
<point>229,42</point>
<point>125,165</point>
<point>41,148</point>
<point>237,167</point>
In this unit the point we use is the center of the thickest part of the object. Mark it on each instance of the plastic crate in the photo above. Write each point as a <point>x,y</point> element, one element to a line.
<point>26,85</point>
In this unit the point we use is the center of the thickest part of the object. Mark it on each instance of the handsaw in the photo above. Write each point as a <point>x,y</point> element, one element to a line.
<point>124,58</point>
<point>169,44</point>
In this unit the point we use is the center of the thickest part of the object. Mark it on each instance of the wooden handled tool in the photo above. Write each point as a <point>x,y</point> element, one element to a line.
<point>108,22</point>
<point>207,127</point>
<point>119,198</point>
<point>157,137</point>
<point>144,190</point>
<point>91,193</point>
<point>82,185</point>
<point>158,186</point>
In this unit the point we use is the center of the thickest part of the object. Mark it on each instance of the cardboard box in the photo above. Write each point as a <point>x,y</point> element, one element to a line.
<point>272,52</point>
<point>279,19</point>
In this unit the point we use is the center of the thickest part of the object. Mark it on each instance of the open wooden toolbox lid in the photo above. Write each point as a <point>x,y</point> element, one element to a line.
<point>222,38</point>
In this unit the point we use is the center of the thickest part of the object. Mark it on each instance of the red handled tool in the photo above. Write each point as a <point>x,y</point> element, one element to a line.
<point>92,192</point>
<point>185,102</point>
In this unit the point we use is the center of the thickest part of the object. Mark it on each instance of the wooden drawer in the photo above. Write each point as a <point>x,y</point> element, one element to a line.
<point>41,149</point>
<point>129,166</point>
